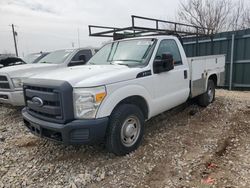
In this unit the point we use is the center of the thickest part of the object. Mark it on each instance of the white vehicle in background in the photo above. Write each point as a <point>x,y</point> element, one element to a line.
<point>11,78</point>
<point>124,84</point>
<point>34,57</point>
<point>6,61</point>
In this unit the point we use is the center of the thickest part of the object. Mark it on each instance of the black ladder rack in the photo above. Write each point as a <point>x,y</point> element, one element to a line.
<point>172,28</point>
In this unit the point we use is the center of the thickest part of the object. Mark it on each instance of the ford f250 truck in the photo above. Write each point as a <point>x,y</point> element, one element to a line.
<point>124,84</point>
<point>11,78</point>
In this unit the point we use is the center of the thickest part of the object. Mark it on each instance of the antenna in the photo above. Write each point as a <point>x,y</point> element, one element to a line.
<point>78,36</point>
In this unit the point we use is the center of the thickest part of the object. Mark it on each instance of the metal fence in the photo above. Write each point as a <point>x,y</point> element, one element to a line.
<point>237,58</point>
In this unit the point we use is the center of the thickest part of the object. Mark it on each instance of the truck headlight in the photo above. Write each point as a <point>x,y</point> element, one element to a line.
<point>87,101</point>
<point>18,82</point>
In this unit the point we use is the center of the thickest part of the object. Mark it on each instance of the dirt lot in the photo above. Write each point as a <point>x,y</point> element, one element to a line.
<point>197,147</point>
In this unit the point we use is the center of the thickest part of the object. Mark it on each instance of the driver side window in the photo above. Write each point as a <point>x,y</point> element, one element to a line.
<point>86,53</point>
<point>169,46</point>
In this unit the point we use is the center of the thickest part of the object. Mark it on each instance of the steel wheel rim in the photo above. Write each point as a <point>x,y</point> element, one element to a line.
<point>130,131</point>
<point>210,94</point>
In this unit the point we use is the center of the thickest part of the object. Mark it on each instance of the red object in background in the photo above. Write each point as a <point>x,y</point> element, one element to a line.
<point>208,180</point>
<point>211,165</point>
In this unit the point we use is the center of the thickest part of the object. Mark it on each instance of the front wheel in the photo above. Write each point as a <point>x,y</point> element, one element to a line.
<point>126,129</point>
<point>208,97</point>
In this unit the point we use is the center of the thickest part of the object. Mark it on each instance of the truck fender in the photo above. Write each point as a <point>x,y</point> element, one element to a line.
<point>210,74</point>
<point>113,98</point>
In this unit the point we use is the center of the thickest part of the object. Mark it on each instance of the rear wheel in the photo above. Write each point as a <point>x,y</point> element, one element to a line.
<point>208,97</point>
<point>126,129</point>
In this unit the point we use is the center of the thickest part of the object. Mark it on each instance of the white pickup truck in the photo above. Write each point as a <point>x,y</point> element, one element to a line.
<point>124,84</point>
<point>11,78</point>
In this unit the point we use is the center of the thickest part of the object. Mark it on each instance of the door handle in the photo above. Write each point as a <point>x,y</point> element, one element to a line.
<point>185,74</point>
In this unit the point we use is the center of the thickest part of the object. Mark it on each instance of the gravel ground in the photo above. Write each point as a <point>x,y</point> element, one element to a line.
<point>194,147</point>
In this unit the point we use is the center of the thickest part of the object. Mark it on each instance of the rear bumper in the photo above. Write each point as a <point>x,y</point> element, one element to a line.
<point>14,98</point>
<point>75,132</point>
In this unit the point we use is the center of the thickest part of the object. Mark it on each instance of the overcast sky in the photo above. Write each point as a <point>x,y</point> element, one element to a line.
<point>45,25</point>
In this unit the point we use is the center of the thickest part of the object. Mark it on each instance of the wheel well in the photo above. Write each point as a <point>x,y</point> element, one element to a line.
<point>138,101</point>
<point>214,78</point>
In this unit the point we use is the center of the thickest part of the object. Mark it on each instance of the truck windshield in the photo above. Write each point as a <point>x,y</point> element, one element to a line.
<point>129,52</point>
<point>31,58</point>
<point>56,57</point>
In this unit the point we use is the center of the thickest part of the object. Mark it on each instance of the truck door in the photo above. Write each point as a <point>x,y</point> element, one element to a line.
<point>172,87</point>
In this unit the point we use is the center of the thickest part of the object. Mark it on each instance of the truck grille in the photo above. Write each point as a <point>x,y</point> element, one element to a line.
<point>50,106</point>
<point>49,100</point>
<point>4,83</point>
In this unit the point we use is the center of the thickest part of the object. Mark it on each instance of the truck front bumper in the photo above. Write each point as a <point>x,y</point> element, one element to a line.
<point>75,132</point>
<point>14,98</point>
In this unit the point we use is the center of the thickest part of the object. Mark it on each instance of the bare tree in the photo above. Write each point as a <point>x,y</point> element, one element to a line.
<point>246,18</point>
<point>216,16</point>
<point>240,16</point>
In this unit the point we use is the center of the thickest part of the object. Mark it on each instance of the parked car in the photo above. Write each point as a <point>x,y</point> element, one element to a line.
<point>124,84</point>
<point>10,61</point>
<point>11,78</point>
<point>6,61</point>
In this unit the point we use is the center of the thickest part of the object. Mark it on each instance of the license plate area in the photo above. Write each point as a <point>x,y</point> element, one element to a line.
<point>35,129</point>
<point>43,132</point>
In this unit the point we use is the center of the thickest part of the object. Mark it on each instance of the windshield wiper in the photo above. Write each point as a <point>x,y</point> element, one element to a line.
<point>127,60</point>
<point>91,63</point>
<point>44,62</point>
<point>126,64</point>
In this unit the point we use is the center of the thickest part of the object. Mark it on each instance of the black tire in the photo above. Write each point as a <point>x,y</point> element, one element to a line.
<point>119,122</point>
<point>208,97</point>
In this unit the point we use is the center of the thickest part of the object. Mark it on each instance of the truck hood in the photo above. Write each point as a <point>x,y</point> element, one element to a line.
<point>27,70</point>
<point>91,75</point>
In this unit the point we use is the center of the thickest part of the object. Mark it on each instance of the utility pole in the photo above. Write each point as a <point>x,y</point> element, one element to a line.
<point>231,63</point>
<point>14,36</point>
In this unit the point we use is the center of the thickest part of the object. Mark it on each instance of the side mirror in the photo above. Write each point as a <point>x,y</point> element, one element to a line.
<point>81,61</point>
<point>82,58</point>
<point>166,63</point>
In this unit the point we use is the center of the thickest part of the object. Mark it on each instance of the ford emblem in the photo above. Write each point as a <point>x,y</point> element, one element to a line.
<point>37,101</point>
